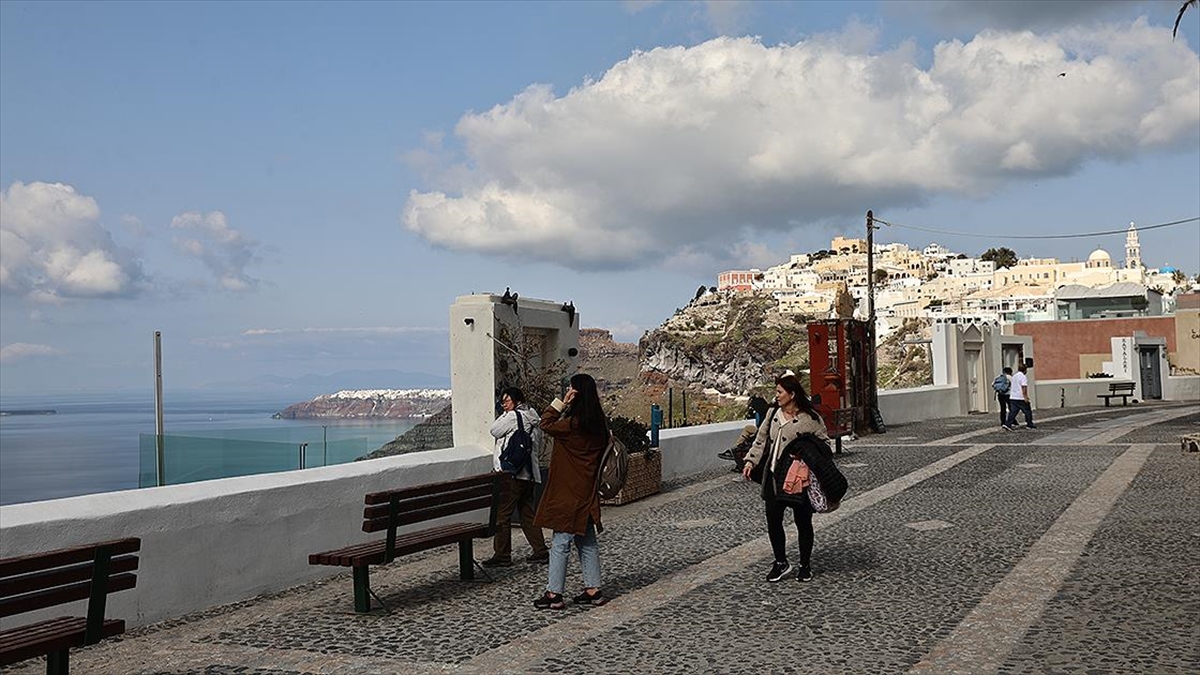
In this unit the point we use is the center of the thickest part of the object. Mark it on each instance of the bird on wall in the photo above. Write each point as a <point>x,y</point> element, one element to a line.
<point>509,298</point>
<point>569,308</point>
<point>1062,74</point>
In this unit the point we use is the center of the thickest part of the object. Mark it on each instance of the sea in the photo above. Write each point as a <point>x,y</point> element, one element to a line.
<point>91,442</point>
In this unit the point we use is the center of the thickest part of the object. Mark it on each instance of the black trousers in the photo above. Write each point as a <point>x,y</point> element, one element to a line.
<point>804,528</point>
<point>1003,399</point>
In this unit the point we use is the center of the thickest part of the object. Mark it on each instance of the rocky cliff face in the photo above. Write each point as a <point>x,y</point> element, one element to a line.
<point>734,344</point>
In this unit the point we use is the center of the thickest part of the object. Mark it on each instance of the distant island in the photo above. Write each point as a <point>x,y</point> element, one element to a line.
<point>6,413</point>
<point>369,403</point>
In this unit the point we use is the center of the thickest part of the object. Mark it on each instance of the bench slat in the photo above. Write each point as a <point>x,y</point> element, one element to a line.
<point>429,488</point>
<point>341,555</point>
<point>38,562</point>
<point>418,503</point>
<point>57,596</point>
<point>410,517</point>
<point>372,553</point>
<point>36,581</point>
<point>37,639</point>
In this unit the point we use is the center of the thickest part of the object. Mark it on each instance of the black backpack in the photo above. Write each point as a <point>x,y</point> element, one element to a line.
<point>518,450</point>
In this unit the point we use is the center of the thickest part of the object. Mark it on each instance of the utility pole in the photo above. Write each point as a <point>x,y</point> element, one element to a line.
<point>871,269</point>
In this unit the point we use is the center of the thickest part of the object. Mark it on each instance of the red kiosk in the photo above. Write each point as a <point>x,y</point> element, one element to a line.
<point>842,377</point>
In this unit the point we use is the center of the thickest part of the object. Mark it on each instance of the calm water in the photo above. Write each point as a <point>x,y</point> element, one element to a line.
<point>91,444</point>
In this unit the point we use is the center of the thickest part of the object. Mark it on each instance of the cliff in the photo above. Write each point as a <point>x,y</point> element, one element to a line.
<point>732,343</point>
<point>380,403</point>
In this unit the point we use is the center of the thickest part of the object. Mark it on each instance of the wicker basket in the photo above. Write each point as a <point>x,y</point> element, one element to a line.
<point>644,479</point>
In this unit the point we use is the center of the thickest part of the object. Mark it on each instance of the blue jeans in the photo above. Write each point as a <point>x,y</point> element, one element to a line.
<point>560,553</point>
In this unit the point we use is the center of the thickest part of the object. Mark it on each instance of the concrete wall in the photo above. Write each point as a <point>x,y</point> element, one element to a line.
<point>1066,348</point>
<point>690,450</point>
<point>901,406</point>
<point>475,320</point>
<point>1078,392</point>
<point>1181,388</point>
<point>219,541</point>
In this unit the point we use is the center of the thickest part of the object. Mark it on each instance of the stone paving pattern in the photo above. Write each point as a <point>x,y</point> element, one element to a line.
<point>884,596</point>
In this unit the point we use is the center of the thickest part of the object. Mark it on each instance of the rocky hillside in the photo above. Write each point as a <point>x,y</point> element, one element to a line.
<point>731,343</point>
<point>899,365</point>
<point>384,403</point>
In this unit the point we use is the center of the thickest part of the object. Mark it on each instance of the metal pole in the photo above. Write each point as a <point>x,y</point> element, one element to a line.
<point>303,447</point>
<point>670,408</point>
<point>871,267</point>
<point>324,445</point>
<point>685,407</point>
<point>159,454</point>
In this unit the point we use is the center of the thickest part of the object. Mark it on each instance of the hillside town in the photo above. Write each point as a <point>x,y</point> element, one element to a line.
<point>936,283</point>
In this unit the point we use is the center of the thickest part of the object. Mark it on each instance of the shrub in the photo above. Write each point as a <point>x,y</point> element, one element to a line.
<point>630,432</point>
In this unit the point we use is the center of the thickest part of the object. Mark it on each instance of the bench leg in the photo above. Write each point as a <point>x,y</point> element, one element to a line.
<point>838,442</point>
<point>1106,400</point>
<point>362,589</point>
<point>58,663</point>
<point>466,561</point>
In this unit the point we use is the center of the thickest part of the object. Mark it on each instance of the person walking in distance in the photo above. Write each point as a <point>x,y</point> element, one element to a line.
<point>517,491</point>
<point>1018,400</point>
<point>794,416</point>
<point>570,504</point>
<point>1002,386</point>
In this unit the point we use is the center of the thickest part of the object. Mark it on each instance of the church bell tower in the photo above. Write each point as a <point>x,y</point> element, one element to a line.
<point>1133,250</point>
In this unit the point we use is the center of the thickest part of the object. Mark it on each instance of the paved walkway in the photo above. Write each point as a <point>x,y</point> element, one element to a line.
<point>962,548</point>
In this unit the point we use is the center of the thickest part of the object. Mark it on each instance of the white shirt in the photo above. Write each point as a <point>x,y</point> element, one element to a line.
<point>1019,382</point>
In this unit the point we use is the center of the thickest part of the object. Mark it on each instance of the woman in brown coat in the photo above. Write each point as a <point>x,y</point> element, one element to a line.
<point>570,505</point>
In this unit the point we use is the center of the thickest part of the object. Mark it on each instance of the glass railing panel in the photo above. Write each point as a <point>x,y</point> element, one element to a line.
<point>188,459</point>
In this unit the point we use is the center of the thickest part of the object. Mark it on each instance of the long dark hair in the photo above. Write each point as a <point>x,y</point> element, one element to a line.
<point>585,409</point>
<point>792,385</point>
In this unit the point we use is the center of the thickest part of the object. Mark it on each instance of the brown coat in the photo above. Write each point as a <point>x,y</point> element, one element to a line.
<point>570,497</point>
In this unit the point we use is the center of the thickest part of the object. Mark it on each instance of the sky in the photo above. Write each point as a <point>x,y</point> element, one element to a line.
<point>290,189</point>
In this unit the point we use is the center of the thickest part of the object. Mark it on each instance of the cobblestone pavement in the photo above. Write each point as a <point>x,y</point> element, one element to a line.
<point>1072,548</point>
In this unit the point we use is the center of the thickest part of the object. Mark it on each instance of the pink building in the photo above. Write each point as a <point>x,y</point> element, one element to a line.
<point>736,280</point>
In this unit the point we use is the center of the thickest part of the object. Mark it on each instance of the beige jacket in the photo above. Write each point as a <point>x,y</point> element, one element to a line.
<point>781,433</point>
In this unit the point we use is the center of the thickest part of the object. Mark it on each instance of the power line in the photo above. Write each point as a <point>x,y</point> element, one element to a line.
<point>1037,236</point>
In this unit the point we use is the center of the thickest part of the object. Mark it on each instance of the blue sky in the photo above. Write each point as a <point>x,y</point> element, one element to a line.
<point>285,189</point>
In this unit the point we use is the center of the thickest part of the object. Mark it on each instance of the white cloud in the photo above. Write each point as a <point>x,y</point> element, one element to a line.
<point>52,246</point>
<point>625,331</point>
<point>673,150</point>
<point>226,252</point>
<point>19,351</point>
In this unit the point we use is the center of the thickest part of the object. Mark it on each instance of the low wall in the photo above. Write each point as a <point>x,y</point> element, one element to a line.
<point>1181,388</point>
<point>219,541</point>
<point>901,406</point>
<point>1076,392</point>
<point>691,450</point>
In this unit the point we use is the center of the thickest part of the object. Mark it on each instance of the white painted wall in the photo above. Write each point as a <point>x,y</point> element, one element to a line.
<point>690,450</point>
<point>1078,392</point>
<point>473,354</point>
<point>901,406</point>
<point>214,542</point>
<point>1181,388</point>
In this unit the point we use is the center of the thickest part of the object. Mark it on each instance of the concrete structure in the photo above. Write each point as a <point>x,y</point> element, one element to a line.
<point>737,280</point>
<point>489,336</point>
<point>968,356</point>
<point>1076,349</point>
<point>1116,300</point>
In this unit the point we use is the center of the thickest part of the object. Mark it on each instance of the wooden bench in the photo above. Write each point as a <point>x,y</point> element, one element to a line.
<point>1122,389</point>
<point>388,511</point>
<point>42,580</point>
<point>843,422</point>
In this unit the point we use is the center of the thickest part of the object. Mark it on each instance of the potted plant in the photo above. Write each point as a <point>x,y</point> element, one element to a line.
<point>645,463</point>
